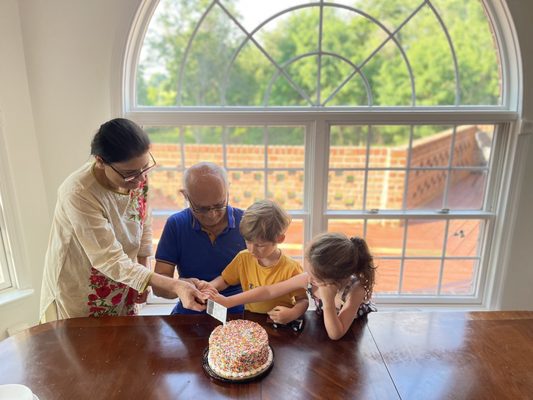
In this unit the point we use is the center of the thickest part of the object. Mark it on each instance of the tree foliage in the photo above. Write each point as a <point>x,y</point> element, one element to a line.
<point>195,54</point>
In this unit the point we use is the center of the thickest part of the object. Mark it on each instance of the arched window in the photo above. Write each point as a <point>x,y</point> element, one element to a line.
<point>387,120</point>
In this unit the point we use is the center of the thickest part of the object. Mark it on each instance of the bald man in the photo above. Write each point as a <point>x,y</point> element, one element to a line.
<point>201,240</point>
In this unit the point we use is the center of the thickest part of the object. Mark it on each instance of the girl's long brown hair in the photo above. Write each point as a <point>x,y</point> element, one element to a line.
<point>335,257</point>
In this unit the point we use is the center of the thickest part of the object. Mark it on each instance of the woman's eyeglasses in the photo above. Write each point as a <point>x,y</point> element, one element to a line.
<point>135,175</point>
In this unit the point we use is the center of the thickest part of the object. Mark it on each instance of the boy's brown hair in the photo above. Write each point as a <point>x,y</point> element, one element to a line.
<point>264,220</point>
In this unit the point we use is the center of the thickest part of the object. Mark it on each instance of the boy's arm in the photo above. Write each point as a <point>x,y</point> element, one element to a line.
<point>263,293</point>
<point>284,315</point>
<point>219,283</point>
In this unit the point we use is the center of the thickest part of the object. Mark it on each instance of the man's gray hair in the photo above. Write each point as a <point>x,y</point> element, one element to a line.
<point>202,169</point>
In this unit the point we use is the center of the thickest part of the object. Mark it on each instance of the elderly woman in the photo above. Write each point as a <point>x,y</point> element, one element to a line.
<point>97,258</point>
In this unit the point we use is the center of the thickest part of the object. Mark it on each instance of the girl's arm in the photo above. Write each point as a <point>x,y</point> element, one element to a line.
<point>338,324</point>
<point>263,293</point>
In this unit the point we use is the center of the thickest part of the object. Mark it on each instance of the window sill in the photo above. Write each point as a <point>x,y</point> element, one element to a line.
<point>156,309</point>
<point>12,295</point>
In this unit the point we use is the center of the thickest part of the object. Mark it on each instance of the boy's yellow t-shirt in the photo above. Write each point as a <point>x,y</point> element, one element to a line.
<point>246,270</point>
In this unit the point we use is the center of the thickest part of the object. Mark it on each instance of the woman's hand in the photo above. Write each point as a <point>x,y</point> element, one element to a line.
<point>141,297</point>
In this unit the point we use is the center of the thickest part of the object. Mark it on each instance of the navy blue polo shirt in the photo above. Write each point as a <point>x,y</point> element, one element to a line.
<point>185,244</point>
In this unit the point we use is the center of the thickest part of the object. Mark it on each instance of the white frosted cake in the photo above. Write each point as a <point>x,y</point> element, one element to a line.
<point>239,349</point>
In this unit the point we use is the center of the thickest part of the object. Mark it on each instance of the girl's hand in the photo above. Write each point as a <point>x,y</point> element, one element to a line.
<point>327,293</point>
<point>281,315</point>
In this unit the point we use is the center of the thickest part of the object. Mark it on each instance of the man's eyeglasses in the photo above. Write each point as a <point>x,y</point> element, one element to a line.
<point>134,175</point>
<point>205,210</point>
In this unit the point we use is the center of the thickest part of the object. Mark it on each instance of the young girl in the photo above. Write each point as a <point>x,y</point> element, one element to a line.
<point>339,277</point>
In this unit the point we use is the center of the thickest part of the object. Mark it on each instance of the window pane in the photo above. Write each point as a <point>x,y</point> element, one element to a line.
<point>294,239</point>
<point>473,145</point>
<point>166,146</point>
<point>431,146</point>
<point>385,190</point>
<point>464,238</point>
<point>345,190</point>
<point>388,146</point>
<point>467,189</point>
<point>387,276</point>
<point>246,187</point>
<point>426,189</point>
<point>286,189</point>
<point>472,38</point>
<point>286,147</point>
<point>349,227</point>
<point>458,277</point>
<point>246,147</point>
<point>158,224</point>
<point>425,238</point>
<point>385,237</point>
<point>420,276</point>
<point>165,185</point>
<point>348,146</point>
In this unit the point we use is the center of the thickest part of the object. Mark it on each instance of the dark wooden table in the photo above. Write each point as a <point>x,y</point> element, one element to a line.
<point>433,355</point>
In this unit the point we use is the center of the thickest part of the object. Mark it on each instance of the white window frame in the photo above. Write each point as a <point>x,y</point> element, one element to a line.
<point>11,242</point>
<point>504,117</point>
<point>6,282</point>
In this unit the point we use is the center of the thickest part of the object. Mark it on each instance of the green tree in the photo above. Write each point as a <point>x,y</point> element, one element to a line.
<point>194,59</point>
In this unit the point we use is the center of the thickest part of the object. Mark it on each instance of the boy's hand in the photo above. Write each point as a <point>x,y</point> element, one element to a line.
<point>220,299</point>
<point>281,315</point>
<point>205,287</point>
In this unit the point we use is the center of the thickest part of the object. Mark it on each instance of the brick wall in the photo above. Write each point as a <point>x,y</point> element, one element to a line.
<point>385,189</point>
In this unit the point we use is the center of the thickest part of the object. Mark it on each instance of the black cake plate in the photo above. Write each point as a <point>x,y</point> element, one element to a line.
<point>214,375</point>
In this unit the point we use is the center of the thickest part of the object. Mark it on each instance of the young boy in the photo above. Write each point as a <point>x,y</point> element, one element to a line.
<point>263,227</point>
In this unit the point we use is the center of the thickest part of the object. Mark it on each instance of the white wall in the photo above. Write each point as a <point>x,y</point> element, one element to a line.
<point>69,47</point>
<point>26,201</point>
<point>67,50</point>
<point>518,282</point>
<point>55,90</point>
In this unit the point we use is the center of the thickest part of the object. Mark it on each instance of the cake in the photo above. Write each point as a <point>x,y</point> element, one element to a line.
<point>239,349</point>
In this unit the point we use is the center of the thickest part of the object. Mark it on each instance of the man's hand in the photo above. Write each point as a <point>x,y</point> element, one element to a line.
<point>281,315</point>
<point>190,296</point>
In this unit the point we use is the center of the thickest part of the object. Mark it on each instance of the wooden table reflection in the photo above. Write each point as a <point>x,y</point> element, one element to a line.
<point>436,355</point>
